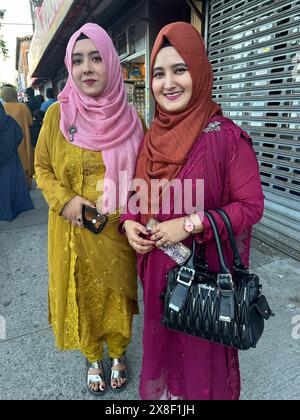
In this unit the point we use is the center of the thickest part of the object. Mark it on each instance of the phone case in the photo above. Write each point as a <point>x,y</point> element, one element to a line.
<point>177,252</point>
<point>93,220</point>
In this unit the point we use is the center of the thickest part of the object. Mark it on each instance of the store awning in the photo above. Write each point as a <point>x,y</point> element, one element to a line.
<point>48,19</point>
<point>56,21</point>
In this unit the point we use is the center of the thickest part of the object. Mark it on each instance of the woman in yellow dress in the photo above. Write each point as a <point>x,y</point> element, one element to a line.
<point>21,113</point>
<point>92,134</point>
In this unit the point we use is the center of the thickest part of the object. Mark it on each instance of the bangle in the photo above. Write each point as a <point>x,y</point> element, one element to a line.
<point>124,225</point>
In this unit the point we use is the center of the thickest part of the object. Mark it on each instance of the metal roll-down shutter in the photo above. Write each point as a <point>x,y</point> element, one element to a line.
<point>254,47</point>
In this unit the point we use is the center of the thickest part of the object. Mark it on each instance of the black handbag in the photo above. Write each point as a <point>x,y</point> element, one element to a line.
<point>226,307</point>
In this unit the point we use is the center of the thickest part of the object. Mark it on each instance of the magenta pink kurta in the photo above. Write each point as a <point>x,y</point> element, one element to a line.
<point>177,366</point>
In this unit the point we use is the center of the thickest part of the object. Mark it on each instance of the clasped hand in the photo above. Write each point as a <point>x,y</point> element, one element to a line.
<point>166,233</point>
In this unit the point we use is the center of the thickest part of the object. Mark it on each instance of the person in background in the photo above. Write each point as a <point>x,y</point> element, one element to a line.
<point>8,85</point>
<point>5,85</point>
<point>189,140</point>
<point>14,195</point>
<point>38,118</point>
<point>90,135</point>
<point>50,99</point>
<point>40,99</point>
<point>32,102</point>
<point>21,113</point>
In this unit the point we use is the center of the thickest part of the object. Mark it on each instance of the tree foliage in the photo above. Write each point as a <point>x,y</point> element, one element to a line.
<point>3,47</point>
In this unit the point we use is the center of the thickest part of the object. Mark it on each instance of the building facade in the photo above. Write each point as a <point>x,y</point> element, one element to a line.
<point>254,47</point>
<point>132,25</point>
<point>22,63</point>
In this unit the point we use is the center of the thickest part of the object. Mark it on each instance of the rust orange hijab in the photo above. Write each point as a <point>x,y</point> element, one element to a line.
<point>172,135</point>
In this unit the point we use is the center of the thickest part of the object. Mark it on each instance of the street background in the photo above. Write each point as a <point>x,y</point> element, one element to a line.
<point>31,367</point>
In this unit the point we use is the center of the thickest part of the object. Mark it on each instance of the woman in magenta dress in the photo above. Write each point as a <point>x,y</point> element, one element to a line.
<point>189,139</point>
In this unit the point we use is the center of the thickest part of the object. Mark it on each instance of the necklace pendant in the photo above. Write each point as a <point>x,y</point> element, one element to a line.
<point>72,131</point>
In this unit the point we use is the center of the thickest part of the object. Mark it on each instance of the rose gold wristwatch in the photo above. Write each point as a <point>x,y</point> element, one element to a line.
<point>188,225</point>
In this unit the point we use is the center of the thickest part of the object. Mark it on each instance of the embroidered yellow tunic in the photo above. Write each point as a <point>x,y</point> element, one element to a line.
<point>92,278</point>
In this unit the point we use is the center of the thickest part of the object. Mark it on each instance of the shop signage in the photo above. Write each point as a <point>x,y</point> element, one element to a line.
<point>48,18</point>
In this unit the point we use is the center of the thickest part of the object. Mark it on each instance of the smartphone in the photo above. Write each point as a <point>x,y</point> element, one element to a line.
<point>92,220</point>
<point>177,252</point>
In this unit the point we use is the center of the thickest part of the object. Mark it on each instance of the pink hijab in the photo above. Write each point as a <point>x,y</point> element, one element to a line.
<point>107,123</point>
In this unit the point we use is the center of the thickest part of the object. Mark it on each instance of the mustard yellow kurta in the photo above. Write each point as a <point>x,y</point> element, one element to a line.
<point>92,278</point>
<point>21,113</point>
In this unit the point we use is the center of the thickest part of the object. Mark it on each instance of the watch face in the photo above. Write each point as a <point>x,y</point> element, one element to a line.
<point>189,226</point>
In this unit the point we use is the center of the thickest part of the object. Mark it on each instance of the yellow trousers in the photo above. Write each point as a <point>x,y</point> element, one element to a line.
<point>96,315</point>
<point>116,343</point>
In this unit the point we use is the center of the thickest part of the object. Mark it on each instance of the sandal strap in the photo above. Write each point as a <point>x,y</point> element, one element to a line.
<point>120,361</point>
<point>95,378</point>
<point>118,374</point>
<point>96,365</point>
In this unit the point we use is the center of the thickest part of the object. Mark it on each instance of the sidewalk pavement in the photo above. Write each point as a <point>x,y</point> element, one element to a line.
<point>31,368</point>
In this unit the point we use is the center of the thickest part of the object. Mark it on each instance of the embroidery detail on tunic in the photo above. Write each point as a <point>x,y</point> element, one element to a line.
<point>214,126</point>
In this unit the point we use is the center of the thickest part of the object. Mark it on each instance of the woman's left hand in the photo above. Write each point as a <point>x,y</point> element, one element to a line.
<point>170,232</point>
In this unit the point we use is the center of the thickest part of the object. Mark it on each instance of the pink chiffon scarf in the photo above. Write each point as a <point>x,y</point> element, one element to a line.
<point>106,123</point>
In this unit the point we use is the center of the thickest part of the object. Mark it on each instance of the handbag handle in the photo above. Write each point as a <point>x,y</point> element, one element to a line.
<point>237,258</point>
<point>223,266</point>
<point>190,262</point>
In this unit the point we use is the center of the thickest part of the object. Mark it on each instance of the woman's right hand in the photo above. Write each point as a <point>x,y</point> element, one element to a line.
<point>73,210</point>
<point>134,230</point>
